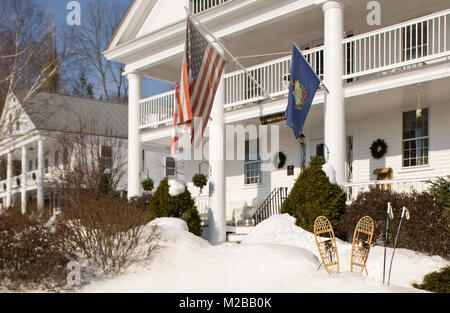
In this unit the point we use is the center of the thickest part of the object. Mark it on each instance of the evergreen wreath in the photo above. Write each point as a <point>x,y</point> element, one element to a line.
<point>281,159</point>
<point>378,148</point>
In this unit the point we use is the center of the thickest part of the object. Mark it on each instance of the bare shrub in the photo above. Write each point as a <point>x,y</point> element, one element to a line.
<point>32,252</point>
<point>110,232</point>
<point>427,231</point>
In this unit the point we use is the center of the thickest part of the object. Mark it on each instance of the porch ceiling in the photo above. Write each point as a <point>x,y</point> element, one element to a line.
<point>405,98</point>
<point>273,35</point>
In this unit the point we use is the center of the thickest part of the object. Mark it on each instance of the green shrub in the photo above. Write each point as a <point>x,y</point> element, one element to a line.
<point>313,195</point>
<point>427,230</point>
<point>193,221</point>
<point>441,190</point>
<point>436,281</point>
<point>162,204</point>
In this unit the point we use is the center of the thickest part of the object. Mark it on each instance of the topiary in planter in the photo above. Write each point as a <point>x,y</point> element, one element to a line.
<point>313,195</point>
<point>199,180</point>
<point>147,184</point>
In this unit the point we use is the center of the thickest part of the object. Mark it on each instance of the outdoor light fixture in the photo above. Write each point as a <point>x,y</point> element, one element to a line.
<point>419,106</point>
<point>302,138</point>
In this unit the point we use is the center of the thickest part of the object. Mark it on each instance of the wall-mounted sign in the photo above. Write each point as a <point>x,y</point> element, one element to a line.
<point>290,170</point>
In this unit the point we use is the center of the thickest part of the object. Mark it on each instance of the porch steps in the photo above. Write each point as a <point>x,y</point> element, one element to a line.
<point>236,234</point>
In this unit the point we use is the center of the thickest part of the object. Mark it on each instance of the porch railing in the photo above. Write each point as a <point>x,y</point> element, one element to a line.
<point>404,44</point>
<point>396,47</point>
<point>157,110</point>
<point>352,190</point>
<point>273,76</point>
<point>271,205</point>
<point>203,203</point>
<point>198,6</point>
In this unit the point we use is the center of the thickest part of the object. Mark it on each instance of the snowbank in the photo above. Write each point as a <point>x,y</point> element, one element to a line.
<point>276,256</point>
<point>408,266</point>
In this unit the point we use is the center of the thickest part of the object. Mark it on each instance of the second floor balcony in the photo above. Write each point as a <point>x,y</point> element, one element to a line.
<point>401,47</point>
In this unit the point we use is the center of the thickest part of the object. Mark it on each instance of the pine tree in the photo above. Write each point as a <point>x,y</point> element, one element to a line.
<point>83,88</point>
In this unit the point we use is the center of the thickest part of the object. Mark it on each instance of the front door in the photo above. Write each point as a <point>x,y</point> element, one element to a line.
<point>317,148</point>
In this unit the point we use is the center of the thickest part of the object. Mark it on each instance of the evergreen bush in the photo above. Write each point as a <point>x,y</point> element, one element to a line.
<point>441,190</point>
<point>313,195</point>
<point>436,281</point>
<point>162,204</point>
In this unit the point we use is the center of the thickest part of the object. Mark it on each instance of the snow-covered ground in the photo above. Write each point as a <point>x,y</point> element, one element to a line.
<point>277,256</point>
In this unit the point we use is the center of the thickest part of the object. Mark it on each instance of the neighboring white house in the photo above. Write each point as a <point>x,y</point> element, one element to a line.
<point>30,154</point>
<point>377,74</point>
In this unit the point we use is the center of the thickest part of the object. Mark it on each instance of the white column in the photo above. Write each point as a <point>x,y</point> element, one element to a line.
<point>24,180</point>
<point>9,173</point>
<point>334,110</point>
<point>217,217</point>
<point>134,139</point>
<point>40,176</point>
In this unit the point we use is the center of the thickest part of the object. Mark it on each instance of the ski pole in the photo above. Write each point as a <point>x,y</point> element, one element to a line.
<point>405,210</point>
<point>389,215</point>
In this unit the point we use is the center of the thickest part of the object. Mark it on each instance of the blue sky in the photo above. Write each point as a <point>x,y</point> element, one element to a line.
<point>150,87</point>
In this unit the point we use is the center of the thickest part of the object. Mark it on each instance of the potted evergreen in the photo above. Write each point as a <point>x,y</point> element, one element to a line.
<point>199,180</point>
<point>147,184</point>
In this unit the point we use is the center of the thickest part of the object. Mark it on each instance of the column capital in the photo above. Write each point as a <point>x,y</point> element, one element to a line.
<point>332,5</point>
<point>134,75</point>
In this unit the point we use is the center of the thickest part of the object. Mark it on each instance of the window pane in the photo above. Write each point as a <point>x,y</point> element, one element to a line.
<point>170,166</point>
<point>415,139</point>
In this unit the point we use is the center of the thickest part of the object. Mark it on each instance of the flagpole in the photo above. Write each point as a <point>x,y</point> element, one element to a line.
<point>241,67</point>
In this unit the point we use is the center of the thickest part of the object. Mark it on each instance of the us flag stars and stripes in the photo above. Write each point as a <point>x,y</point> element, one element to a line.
<point>201,72</point>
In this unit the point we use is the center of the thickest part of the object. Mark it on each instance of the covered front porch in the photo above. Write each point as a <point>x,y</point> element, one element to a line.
<point>382,73</point>
<point>26,168</point>
<point>383,114</point>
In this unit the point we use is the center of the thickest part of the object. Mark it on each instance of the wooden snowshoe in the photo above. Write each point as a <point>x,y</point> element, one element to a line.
<point>326,244</point>
<point>362,239</point>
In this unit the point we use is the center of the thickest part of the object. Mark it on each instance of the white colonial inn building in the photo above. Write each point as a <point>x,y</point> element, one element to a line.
<point>387,72</point>
<point>32,154</point>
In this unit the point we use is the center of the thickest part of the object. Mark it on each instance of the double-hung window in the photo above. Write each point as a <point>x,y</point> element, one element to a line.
<point>170,166</point>
<point>252,163</point>
<point>415,139</point>
<point>106,156</point>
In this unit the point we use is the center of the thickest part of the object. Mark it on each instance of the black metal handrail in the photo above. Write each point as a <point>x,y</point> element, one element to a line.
<point>272,205</point>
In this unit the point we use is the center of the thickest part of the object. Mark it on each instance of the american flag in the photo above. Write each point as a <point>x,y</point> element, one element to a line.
<point>200,76</point>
